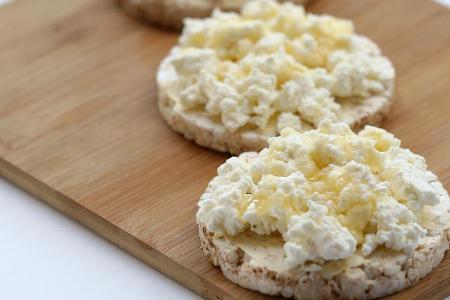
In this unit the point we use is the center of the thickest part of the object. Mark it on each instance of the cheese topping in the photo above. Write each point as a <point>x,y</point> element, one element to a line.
<point>329,192</point>
<point>274,65</point>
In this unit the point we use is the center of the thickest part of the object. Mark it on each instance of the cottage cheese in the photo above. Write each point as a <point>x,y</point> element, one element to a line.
<point>274,65</point>
<point>329,192</point>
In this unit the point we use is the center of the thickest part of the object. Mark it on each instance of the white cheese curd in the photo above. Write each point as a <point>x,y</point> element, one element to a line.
<point>314,234</point>
<point>329,193</point>
<point>288,119</point>
<point>274,64</point>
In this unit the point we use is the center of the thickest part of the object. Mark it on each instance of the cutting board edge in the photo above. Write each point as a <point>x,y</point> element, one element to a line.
<point>111,233</point>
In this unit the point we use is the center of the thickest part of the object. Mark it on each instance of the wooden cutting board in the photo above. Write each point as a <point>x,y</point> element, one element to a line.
<point>79,126</point>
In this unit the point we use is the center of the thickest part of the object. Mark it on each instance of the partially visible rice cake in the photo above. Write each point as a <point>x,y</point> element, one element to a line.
<point>171,13</point>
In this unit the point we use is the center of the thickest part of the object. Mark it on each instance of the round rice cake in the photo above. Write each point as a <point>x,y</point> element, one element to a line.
<point>234,80</point>
<point>326,214</point>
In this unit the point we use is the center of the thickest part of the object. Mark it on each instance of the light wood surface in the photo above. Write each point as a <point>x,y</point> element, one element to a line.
<point>79,126</point>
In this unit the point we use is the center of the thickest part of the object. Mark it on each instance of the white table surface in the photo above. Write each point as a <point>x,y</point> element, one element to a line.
<point>45,255</point>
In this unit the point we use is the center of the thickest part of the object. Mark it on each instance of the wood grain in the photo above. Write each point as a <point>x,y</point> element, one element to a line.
<point>79,127</point>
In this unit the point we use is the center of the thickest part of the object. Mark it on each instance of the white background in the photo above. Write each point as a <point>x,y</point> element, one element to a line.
<point>45,255</point>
